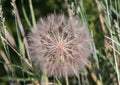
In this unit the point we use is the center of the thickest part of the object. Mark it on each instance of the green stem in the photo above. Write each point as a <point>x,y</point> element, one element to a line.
<point>78,80</point>
<point>45,78</point>
<point>32,14</point>
<point>115,59</point>
<point>66,79</point>
<point>25,14</point>
<point>59,83</point>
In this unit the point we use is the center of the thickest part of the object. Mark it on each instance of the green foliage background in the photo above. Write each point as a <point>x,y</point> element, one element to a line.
<point>103,69</point>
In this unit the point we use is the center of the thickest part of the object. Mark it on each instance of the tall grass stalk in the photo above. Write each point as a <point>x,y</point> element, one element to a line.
<point>7,57</point>
<point>25,14</point>
<point>112,39</point>
<point>32,14</point>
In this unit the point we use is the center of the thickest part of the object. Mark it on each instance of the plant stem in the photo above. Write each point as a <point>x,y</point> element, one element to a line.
<point>115,59</point>
<point>45,78</point>
<point>32,14</point>
<point>25,14</point>
<point>66,79</point>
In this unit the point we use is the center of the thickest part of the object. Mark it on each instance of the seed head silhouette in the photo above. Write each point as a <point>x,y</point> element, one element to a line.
<point>59,46</point>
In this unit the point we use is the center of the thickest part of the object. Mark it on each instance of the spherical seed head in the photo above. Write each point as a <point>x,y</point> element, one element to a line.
<point>59,46</point>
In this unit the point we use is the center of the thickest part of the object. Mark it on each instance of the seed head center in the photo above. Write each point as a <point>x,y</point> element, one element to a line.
<point>60,46</point>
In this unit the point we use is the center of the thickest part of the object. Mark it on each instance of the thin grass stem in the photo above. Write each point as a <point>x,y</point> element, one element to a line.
<point>66,79</point>
<point>32,14</point>
<point>25,15</point>
<point>115,59</point>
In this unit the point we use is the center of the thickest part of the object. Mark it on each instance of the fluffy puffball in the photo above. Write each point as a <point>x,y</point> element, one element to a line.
<point>59,46</point>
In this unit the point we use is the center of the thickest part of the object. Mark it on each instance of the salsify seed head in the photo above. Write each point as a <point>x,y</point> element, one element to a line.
<point>59,46</point>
